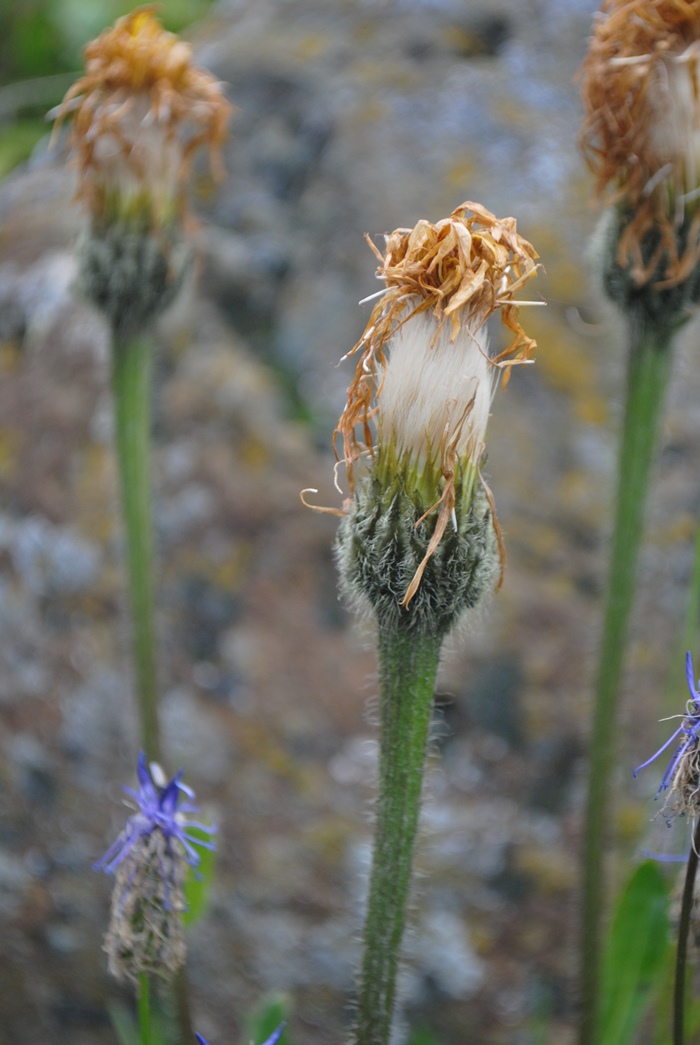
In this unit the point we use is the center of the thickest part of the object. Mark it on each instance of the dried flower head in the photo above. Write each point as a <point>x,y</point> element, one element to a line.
<point>272,1040</point>
<point>138,115</point>
<point>149,859</point>
<point>682,775</point>
<point>641,135</point>
<point>458,271</point>
<point>418,407</point>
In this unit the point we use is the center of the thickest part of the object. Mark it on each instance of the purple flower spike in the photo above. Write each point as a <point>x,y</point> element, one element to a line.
<point>158,806</point>
<point>681,773</point>
<point>272,1040</point>
<point>149,861</point>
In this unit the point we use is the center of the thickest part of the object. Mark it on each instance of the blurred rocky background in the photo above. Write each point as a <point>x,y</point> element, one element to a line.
<point>353,117</point>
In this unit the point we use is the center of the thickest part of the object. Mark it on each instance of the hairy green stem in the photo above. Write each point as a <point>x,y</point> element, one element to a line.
<point>131,375</point>
<point>407,669</point>
<point>647,378</point>
<point>144,995</point>
<point>682,948</point>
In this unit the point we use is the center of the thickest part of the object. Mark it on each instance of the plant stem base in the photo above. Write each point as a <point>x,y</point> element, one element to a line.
<point>408,666</point>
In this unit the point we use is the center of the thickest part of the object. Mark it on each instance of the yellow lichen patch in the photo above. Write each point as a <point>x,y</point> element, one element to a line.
<point>569,368</point>
<point>553,870</point>
<point>562,279</point>
<point>254,454</point>
<point>641,97</point>
<point>461,170</point>
<point>138,75</point>
<point>10,355</point>
<point>311,46</point>
<point>330,836</point>
<point>581,497</point>
<point>225,571</point>
<point>93,487</point>
<point>630,820</point>
<point>675,530</point>
<point>9,452</point>
<point>461,270</point>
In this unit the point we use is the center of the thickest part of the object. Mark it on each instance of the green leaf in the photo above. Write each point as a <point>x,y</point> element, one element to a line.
<point>123,1023</point>
<point>198,881</point>
<point>267,1018</point>
<point>423,1036</point>
<point>636,953</point>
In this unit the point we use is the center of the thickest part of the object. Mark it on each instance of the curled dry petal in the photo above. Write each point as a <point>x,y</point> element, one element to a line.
<point>642,125</point>
<point>141,80</point>
<point>460,270</point>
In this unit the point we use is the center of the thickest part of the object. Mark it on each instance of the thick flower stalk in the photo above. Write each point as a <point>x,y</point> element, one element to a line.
<point>418,541</point>
<point>641,138</point>
<point>149,860</point>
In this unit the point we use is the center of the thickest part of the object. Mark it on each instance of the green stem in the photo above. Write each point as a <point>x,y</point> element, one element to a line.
<point>407,668</point>
<point>647,378</point>
<point>144,994</point>
<point>682,949</point>
<point>131,374</point>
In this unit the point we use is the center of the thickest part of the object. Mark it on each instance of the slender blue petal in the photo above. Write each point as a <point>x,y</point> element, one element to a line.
<point>276,1035</point>
<point>687,748</point>
<point>142,771</point>
<point>659,752</point>
<point>690,676</point>
<point>157,809</point>
<point>272,1040</point>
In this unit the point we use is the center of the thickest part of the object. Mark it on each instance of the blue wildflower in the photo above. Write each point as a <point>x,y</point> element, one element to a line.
<point>159,808</point>
<point>682,773</point>
<point>274,1037</point>
<point>149,860</point>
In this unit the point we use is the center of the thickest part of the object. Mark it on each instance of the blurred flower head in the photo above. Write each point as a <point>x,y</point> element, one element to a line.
<point>138,115</point>
<point>149,860</point>
<point>420,400</point>
<point>641,135</point>
<point>682,775</point>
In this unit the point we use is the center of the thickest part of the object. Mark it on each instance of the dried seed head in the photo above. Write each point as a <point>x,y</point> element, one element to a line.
<point>459,271</point>
<point>414,424</point>
<point>138,115</point>
<point>641,134</point>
